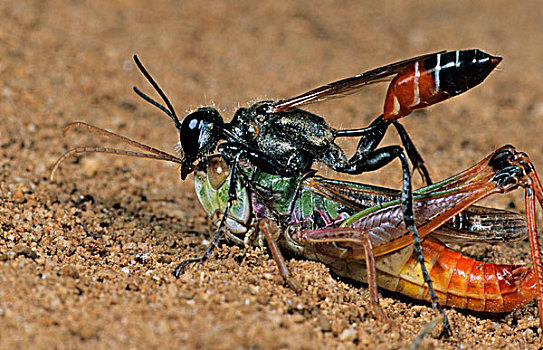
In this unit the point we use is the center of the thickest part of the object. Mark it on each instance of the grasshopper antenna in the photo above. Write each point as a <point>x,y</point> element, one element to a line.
<point>149,152</point>
<point>170,111</point>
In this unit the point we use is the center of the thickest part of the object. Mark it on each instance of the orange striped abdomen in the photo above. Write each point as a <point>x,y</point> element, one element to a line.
<point>413,88</point>
<point>465,283</point>
<point>436,78</point>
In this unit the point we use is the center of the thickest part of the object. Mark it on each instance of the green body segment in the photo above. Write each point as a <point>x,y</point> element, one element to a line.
<point>214,203</point>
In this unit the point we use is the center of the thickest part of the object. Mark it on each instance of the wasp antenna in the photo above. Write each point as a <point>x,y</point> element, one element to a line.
<point>156,104</point>
<point>170,111</point>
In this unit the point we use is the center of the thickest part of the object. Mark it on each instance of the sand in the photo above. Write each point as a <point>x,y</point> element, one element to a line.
<point>86,260</point>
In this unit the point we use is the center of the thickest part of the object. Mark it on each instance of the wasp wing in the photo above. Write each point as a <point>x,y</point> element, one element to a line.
<point>348,85</point>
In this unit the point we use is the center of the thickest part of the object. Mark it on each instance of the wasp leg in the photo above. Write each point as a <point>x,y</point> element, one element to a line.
<point>263,162</point>
<point>372,136</point>
<point>375,160</point>
<point>181,267</point>
<point>413,153</point>
<point>231,198</point>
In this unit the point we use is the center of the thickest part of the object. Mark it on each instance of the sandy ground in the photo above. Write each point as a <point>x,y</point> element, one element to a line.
<point>86,261</point>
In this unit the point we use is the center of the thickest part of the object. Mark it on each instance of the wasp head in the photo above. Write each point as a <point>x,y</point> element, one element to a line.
<point>199,134</point>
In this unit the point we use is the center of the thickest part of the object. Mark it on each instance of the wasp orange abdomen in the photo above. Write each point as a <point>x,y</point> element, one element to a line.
<point>435,79</point>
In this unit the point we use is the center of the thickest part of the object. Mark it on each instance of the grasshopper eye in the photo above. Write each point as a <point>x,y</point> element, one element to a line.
<point>217,172</point>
